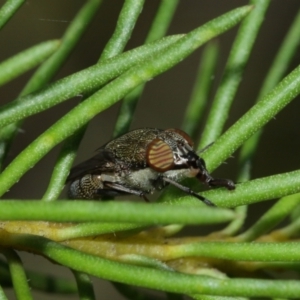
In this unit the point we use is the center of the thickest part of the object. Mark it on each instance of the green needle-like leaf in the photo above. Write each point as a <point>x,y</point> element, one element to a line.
<point>26,60</point>
<point>271,218</point>
<point>275,74</point>
<point>177,282</point>
<point>18,275</point>
<point>85,81</point>
<point>253,120</point>
<point>202,86</point>
<point>158,29</point>
<point>112,211</point>
<point>116,44</point>
<point>69,40</point>
<point>136,244</point>
<point>112,92</point>
<point>8,10</point>
<point>237,61</point>
<point>85,287</point>
<point>126,21</point>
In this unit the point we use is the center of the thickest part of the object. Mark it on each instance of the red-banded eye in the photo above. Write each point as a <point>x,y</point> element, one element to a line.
<point>159,156</point>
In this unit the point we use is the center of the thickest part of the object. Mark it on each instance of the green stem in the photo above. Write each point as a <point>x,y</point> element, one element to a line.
<point>49,68</point>
<point>201,90</point>
<point>112,92</point>
<point>131,292</point>
<point>40,281</point>
<point>85,286</point>
<point>62,166</point>
<point>26,60</point>
<point>271,218</point>
<point>19,279</point>
<point>125,25</point>
<point>2,294</point>
<point>173,281</point>
<point>115,46</point>
<point>8,10</point>
<point>112,211</point>
<point>92,229</point>
<point>290,230</point>
<point>282,252</point>
<point>276,72</point>
<point>253,120</point>
<point>162,20</point>
<point>158,29</point>
<point>235,225</point>
<point>232,77</point>
<point>69,41</point>
<point>82,82</point>
<point>253,191</point>
<point>207,297</point>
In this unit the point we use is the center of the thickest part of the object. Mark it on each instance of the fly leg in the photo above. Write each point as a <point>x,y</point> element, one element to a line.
<point>215,182</point>
<point>188,191</point>
<point>121,188</point>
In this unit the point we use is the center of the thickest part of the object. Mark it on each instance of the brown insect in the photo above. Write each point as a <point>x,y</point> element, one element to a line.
<point>140,162</point>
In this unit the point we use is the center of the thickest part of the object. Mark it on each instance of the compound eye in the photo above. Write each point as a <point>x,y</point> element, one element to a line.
<point>183,134</point>
<point>159,156</point>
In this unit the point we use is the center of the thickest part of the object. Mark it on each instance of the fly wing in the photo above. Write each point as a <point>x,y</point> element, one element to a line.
<point>103,161</point>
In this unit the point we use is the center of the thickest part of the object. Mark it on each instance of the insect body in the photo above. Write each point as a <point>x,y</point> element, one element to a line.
<point>140,162</point>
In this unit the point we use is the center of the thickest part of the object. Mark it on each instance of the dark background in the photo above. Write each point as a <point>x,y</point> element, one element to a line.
<point>164,99</point>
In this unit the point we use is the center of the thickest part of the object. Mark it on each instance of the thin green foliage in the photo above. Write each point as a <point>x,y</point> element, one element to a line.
<point>126,22</point>
<point>19,279</point>
<point>24,61</point>
<point>158,30</point>
<point>112,92</point>
<point>236,64</point>
<point>40,281</point>
<point>275,74</point>
<point>271,218</point>
<point>62,166</point>
<point>202,87</point>
<point>85,287</point>
<point>8,10</point>
<point>112,212</point>
<point>49,68</point>
<point>82,82</point>
<point>254,119</point>
<point>134,243</point>
<point>170,281</point>
<point>130,11</point>
<point>131,292</point>
<point>69,40</point>
<point>2,294</point>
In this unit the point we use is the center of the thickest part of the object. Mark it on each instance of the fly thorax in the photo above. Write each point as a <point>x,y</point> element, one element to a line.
<point>178,175</point>
<point>142,180</point>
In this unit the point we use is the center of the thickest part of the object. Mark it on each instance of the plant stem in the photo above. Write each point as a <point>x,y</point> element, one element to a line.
<point>234,69</point>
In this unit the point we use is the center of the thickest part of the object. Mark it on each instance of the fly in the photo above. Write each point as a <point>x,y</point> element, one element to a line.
<point>139,163</point>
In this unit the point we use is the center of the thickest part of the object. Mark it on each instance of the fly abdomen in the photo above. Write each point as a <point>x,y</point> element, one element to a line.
<point>85,187</point>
